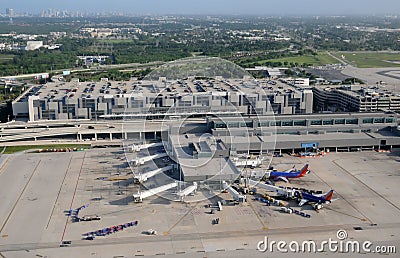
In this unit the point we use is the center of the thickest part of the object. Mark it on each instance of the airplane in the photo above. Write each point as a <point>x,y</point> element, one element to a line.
<point>291,173</point>
<point>317,200</point>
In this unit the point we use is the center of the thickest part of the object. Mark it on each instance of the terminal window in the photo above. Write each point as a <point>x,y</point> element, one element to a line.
<point>263,124</point>
<point>287,123</point>
<point>379,120</point>
<point>368,120</point>
<point>230,125</point>
<point>328,122</point>
<point>220,125</point>
<point>300,123</point>
<point>339,121</point>
<point>316,122</point>
<point>246,124</point>
<point>276,123</point>
<point>352,121</point>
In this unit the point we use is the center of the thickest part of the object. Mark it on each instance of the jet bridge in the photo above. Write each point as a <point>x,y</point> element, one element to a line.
<point>141,160</point>
<point>187,191</point>
<point>150,192</point>
<point>236,196</point>
<point>288,193</point>
<point>136,148</point>
<point>142,177</point>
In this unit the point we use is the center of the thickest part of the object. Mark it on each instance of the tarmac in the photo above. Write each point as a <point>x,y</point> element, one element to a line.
<point>38,189</point>
<point>390,76</point>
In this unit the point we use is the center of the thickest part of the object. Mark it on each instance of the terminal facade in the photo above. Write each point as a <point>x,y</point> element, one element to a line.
<point>355,98</point>
<point>334,132</point>
<point>156,99</point>
<point>247,116</point>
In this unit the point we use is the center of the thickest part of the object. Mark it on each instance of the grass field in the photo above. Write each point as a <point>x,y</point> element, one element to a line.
<point>5,58</point>
<point>371,59</point>
<point>322,58</point>
<point>14,149</point>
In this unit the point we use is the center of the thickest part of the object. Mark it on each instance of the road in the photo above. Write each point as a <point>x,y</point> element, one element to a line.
<point>339,59</point>
<point>185,237</point>
<point>102,67</point>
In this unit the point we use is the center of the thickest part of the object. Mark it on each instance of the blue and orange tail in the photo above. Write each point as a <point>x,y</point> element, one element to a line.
<point>328,195</point>
<point>304,171</point>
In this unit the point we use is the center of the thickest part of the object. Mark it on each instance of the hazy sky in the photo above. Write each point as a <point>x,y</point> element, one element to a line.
<point>266,7</point>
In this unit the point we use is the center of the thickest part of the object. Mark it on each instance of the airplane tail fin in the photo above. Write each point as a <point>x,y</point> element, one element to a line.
<point>328,195</point>
<point>304,170</point>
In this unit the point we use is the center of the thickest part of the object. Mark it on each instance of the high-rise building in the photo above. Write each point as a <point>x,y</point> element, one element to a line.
<point>10,12</point>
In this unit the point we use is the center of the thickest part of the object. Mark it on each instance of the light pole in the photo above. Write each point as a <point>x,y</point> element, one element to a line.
<point>220,172</point>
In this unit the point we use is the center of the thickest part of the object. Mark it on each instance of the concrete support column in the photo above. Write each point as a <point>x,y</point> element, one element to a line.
<point>155,135</point>
<point>126,135</point>
<point>77,137</point>
<point>111,137</point>
<point>95,136</point>
<point>140,136</point>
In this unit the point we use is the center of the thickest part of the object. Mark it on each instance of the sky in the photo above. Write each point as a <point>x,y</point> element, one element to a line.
<point>227,7</point>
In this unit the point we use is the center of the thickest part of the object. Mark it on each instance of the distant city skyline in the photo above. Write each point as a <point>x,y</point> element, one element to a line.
<point>212,7</point>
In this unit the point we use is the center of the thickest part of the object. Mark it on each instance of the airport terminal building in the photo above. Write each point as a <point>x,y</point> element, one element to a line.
<point>335,132</point>
<point>355,98</point>
<point>202,150</point>
<point>157,99</point>
<point>245,115</point>
<point>201,159</point>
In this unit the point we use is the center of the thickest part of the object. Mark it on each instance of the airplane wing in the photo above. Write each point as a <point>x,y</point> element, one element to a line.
<point>291,169</point>
<point>282,178</point>
<point>318,206</point>
<point>302,202</point>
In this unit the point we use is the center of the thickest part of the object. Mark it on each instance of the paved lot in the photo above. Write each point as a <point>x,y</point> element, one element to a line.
<point>37,189</point>
<point>372,75</point>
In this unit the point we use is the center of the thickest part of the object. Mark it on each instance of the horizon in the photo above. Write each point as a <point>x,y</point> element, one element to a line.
<point>219,7</point>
